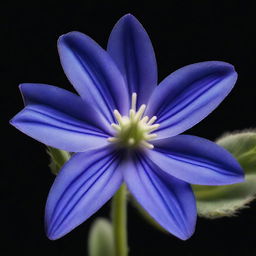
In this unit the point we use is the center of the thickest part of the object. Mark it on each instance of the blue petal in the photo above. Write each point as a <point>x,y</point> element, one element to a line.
<point>93,73</point>
<point>86,182</point>
<point>189,94</point>
<point>196,160</point>
<point>131,48</point>
<point>168,200</point>
<point>60,119</point>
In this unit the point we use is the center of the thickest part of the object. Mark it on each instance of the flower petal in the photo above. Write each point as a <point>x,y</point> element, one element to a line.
<point>168,200</point>
<point>131,48</point>
<point>189,94</point>
<point>60,119</point>
<point>86,182</point>
<point>196,160</point>
<point>93,73</point>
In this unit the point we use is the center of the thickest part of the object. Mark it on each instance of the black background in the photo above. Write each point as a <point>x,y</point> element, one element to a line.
<point>182,32</point>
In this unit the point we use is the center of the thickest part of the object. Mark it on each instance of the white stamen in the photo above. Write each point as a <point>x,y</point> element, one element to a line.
<point>140,112</point>
<point>150,136</point>
<point>116,127</point>
<point>135,129</point>
<point>144,119</point>
<point>118,116</point>
<point>152,127</point>
<point>132,114</point>
<point>134,101</point>
<point>152,120</point>
<point>112,139</point>
<point>147,145</point>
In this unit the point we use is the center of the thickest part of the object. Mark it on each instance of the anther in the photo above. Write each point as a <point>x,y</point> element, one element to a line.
<point>140,112</point>
<point>152,127</point>
<point>112,139</point>
<point>150,136</point>
<point>118,116</point>
<point>152,120</point>
<point>144,119</point>
<point>147,145</point>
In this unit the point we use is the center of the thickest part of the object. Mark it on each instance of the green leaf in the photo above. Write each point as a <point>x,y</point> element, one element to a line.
<point>58,159</point>
<point>243,147</point>
<point>101,239</point>
<point>221,201</point>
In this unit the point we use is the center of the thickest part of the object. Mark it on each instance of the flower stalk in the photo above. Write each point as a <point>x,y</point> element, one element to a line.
<point>119,220</point>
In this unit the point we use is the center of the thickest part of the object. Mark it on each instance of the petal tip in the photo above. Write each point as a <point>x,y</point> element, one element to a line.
<point>128,18</point>
<point>14,121</point>
<point>52,236</point>
<point>185,237</point>
<point>50,230</point>
<point>184,234</point>
<point>11,122</point>
<point>21,87</point>
<point>68,35</point>
<point>226,67</point>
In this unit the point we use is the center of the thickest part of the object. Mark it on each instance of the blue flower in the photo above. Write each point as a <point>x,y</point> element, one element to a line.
<point>124,128</point>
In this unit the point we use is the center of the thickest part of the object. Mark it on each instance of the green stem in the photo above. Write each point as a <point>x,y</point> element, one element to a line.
<point>119,220</point>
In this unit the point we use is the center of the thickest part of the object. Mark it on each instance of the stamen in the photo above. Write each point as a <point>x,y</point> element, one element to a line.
<point>116,127</point>
<point>118,116</point>
<point>150,136</point>
<point>112,139</point>
<point>134,101</point>
<point>152,127</point>
<point>144,119</point>
<point>147,145</point>
<point>134,130</point>
<point>152,120</point>
<point>140,112</point>
<point>132,114</point>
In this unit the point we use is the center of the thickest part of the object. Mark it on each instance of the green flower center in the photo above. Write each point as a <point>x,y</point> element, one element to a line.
<point>134,131</point>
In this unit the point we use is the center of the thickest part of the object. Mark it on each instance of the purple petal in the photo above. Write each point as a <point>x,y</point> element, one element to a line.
<point>196,160</point>
<point>131,48</point>
<point>168,200</point>
<point>60,119</point>
<point>189,94</point>
<point>86,182</point>
<point>93,73</point>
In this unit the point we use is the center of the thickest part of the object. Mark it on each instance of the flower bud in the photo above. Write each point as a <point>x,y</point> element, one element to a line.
<point>101,240</point>
<point>58,159</point>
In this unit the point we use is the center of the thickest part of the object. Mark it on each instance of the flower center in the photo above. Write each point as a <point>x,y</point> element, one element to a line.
<point>134,130</point>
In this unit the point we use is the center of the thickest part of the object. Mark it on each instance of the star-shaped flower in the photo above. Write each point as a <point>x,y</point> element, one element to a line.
<point>124,128</point>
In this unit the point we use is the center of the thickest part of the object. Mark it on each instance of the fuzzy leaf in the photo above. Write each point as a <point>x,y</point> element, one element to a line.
<point>221,201</point>
<point>101,239</point>
<point>243,147</point>
<point>58,159</point>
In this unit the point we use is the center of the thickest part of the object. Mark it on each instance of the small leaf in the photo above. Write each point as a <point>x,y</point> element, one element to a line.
<point>220,201</point>
<point>242,145</point>
<point>58,159</point>
<point>101,239</point>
